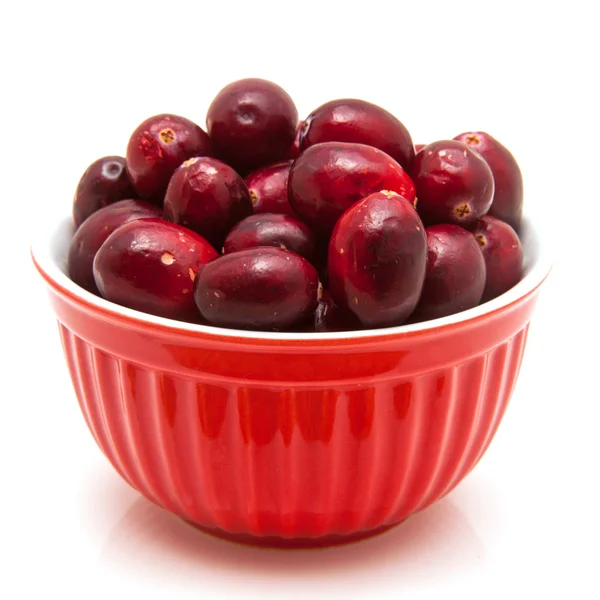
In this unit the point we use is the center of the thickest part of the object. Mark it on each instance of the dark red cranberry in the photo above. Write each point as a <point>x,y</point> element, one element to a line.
<point>377,258</point>
<point>455,275</point>
<point>258,288</point>
<point>150,265</point>
<point>360,122</point>
<point>454,184</point>
<point>252,123</point>
<point>270,229</point>
<point>268,189</point>
<point>503,254</point>
<point>419,147</point>
<point>207,196</point>
<point>295,149</point>
<point>507,204</point>
<point>157,147</point>
<point>330,177</point>
<point>94,231</point>
<point>104,182</point>
<point>330,317</point>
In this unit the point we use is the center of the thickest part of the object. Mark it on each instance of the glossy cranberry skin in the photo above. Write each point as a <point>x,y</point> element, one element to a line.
<point>157,147</point>
<point>357,121</point>
<point>295,149</point>
<point>270,229</point>
<point>330,317</point>
<point>454,184</point>
<point>208,197</point>
<point>258,288</point>
<point>268,189</point>
<point>455,275</point>
<point>252,123</point>
<point>503,255</point>
<point>93,232</point>
<point>330,177</point>
<point>104,182</point>
<point>507,204</point>
<point>377,259</point>
<point>150,265</point>
<point>419,147</point>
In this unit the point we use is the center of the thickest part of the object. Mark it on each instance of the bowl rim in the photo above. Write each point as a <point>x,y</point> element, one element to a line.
<point>45,248</point>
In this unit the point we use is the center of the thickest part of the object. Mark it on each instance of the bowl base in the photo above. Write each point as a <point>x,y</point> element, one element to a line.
<point>300,543</point>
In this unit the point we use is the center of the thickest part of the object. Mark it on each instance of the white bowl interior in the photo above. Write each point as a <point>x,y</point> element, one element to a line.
<point>51,245</point>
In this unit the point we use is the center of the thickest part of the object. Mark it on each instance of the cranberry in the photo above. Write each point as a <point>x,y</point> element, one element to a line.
<point>94,231</point>
<point>454,184</point>
<point>361,122</point>
<point>503,255</point>
<point>455,275</point>
<point>507,204</point>
<point>330,317</point>
<point>269,189</point>
<point>150,265</point>
<point>257,288</point>
<point>330,177</point>
<point>105,181</point>
<point>252,123</point>
<point>419,147</point>
<point>377,259</point>
<point>270,229</point>
<point>295,149</point>
<point>207,196</point>
<point>157,147</point>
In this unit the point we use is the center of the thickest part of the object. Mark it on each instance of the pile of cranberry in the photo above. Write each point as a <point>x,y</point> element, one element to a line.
<point>327,224</point>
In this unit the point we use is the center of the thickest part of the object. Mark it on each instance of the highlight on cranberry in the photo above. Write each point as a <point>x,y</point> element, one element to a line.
<point>93,233</point>
<point>208,197</point>
<point>377,259</point>
<point>157,147</point>
<point>268,189</point>
<point>507,203</point>
<point>455,274</point>
<point>360,122</point>
<point>252,123</point>
<point>315,224</point>
<point>271,229</point>
<point>453,183</point>
<point>151,265</point>
<point>104,182</point>
<point>328,178</point>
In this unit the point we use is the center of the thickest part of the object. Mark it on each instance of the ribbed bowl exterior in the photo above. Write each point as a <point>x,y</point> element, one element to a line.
<point>292,440</point>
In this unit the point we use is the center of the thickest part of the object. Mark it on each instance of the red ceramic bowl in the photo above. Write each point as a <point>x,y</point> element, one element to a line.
<point>290,439</point>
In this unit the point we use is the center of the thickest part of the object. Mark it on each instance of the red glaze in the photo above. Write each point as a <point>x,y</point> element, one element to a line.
<point>150,265</point>
<point>284,440</point>
<point>252,123</point>
<point>270,229</point>
<point>507,204</point>
<point>360,122</point>
<point>455,275</point>
<point>454,184</point>
<point>258,288</point>
<point>295,149</point>
<point>330,177</point>
<point>268,189</point>
<point>208,197</point>
<point>157,147</point>
<point>94,231</point>
<point>503,255</point>
<point>377,258</point>
<point>104,182</point>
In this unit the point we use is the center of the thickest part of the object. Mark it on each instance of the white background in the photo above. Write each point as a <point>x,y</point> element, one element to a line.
<point>77,79</point>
